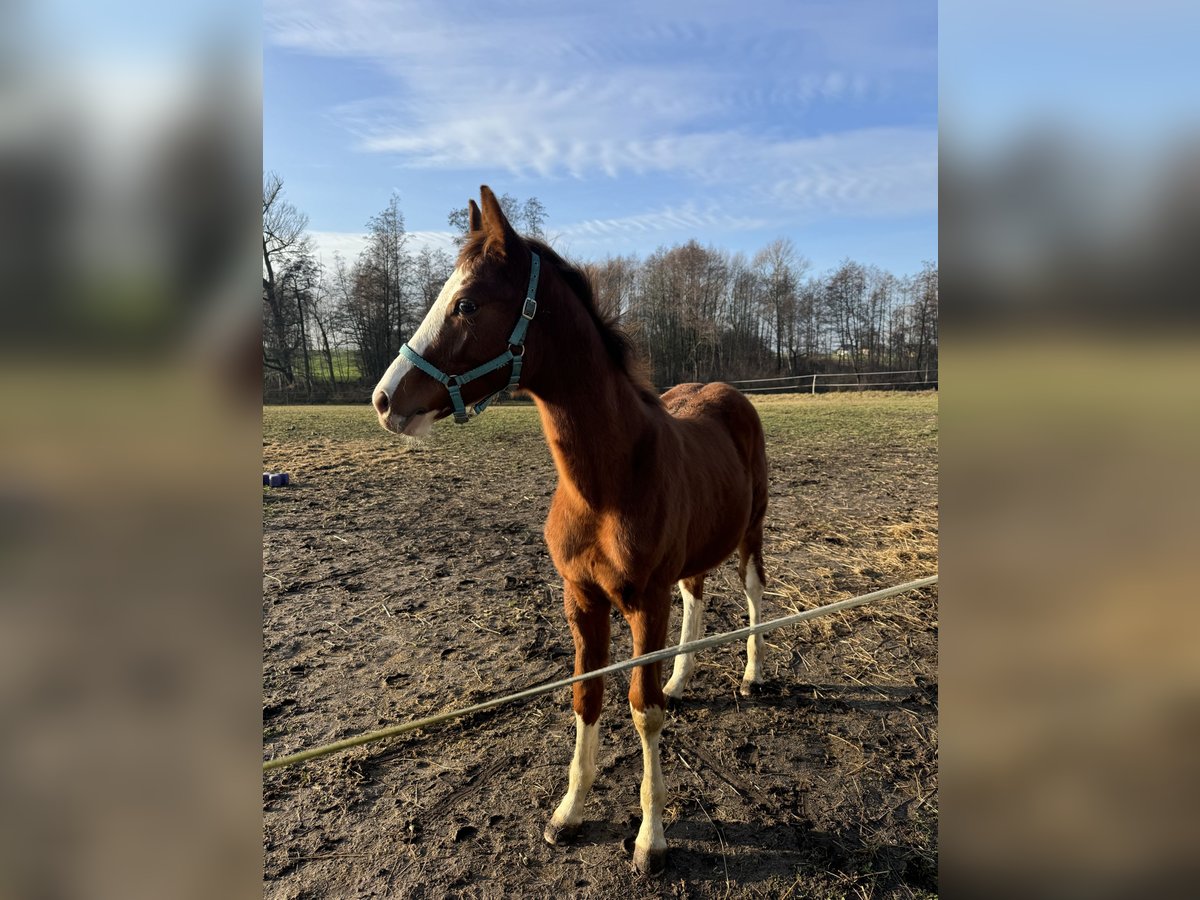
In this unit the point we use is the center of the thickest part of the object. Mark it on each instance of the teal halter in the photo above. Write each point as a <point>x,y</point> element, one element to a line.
<point>515,341</point>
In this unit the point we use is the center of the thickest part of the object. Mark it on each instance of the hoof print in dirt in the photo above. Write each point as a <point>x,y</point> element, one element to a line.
<point>560,834</point>
<point>271,710</point>
<point>465,833</point>
<point>746,753</point>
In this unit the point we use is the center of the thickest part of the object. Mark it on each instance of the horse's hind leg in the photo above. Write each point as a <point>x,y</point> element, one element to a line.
<point>691,629</point>
<point>588,615</point>
<point>750,570</point>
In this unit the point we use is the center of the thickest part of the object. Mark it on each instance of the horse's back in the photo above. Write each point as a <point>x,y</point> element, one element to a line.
<point>718,407</point>
<point>723,450</point>
<point>715,403</point>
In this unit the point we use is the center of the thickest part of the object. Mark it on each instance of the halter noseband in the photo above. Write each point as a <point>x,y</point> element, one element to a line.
<point>515,341</point>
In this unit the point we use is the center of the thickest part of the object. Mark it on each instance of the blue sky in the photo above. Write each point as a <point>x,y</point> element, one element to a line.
<point>637,125</point>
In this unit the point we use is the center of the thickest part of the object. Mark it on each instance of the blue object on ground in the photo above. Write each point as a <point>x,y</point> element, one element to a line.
<point>276,481</point>
<point>266,477</point>
<point>287,479</point>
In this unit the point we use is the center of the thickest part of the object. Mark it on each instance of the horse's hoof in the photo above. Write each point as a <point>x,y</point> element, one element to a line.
<point>560,834</point>
<point>673,704</point>
<point>750,688</point>
<point>650,862</point>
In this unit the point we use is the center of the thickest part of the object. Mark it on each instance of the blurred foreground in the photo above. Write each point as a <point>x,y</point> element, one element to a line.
<point>1070,218</point>
<point>129,524</point>
<point>1070,677</point>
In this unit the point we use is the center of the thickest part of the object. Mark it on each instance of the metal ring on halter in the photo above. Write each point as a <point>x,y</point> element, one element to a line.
<point>520,347</point>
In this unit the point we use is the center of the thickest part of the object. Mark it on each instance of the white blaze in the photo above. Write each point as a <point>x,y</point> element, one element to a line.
<point>431,326</point>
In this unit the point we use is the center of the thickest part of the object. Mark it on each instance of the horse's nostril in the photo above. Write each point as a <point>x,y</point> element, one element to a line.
<point>381,402</point>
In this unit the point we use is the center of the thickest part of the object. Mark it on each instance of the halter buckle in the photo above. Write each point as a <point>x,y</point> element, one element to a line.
<point>530,308</point>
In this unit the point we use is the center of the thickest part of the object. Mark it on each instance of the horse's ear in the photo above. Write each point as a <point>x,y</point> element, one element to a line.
<point>499,235</point>
<point>474,218</point>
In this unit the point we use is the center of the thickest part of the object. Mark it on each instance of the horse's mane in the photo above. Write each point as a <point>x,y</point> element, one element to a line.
<point>617,343</point>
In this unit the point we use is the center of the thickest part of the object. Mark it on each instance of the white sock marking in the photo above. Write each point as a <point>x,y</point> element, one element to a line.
<point>654,790</point>
<point>691,629</point>
<point>754,643</point>
<point>581,775</point>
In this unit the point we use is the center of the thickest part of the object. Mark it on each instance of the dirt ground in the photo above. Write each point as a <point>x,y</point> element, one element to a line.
<point>400,581</point>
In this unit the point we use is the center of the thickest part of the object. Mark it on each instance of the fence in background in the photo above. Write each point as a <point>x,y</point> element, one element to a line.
<point>823,382</point>
<point>816,383</point>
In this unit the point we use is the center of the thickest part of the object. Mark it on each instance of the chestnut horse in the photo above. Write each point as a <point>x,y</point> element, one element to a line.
<point>651,490</point>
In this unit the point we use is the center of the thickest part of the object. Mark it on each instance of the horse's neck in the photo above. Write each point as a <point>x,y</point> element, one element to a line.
<point>592,414</point>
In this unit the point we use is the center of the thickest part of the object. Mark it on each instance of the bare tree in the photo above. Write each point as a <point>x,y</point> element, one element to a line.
<point>283,234</point>
<point>925,315</point>
<point>781,269</point>
<point>323,317</point>
<point>381,293</point>
<point>431,270</point>
<point>846,300</point>
<point>614,280</point>
<point>533,217</point>
<point>699,313</point>
<point>298,282</point>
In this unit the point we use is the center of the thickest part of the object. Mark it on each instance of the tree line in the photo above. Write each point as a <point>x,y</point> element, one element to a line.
<point>698,313</point>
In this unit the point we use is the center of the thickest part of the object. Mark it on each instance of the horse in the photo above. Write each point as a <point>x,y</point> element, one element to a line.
<point>652,490</point>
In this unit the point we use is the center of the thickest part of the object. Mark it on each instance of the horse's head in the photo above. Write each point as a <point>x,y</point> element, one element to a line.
<point>468,327</point>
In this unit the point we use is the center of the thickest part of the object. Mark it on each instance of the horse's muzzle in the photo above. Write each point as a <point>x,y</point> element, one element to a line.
<point>418,424</point>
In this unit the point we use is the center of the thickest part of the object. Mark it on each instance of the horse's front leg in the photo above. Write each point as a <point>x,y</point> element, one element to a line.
<point>588,615</point>
<point>649,627</point>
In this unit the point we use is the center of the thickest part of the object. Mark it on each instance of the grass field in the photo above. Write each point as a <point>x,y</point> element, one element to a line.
<point>402,579</point>
<point>834,420</point>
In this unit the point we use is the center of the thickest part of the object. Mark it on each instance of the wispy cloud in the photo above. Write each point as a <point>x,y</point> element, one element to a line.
<point>349,244</point>
<point>685,218</point>
<point>704,117</point>
<point>549,91</point>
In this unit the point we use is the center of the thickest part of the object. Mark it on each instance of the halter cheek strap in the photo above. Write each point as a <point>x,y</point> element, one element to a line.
<point>516,341</point>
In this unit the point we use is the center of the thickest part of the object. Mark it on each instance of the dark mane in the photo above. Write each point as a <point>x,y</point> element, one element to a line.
<point>617,342</point>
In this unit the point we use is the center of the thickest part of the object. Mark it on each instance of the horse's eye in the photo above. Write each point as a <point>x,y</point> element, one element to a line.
<point>464,308</point>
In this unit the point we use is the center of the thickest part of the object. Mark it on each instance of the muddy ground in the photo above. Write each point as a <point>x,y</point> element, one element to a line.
<point>402,581</point>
